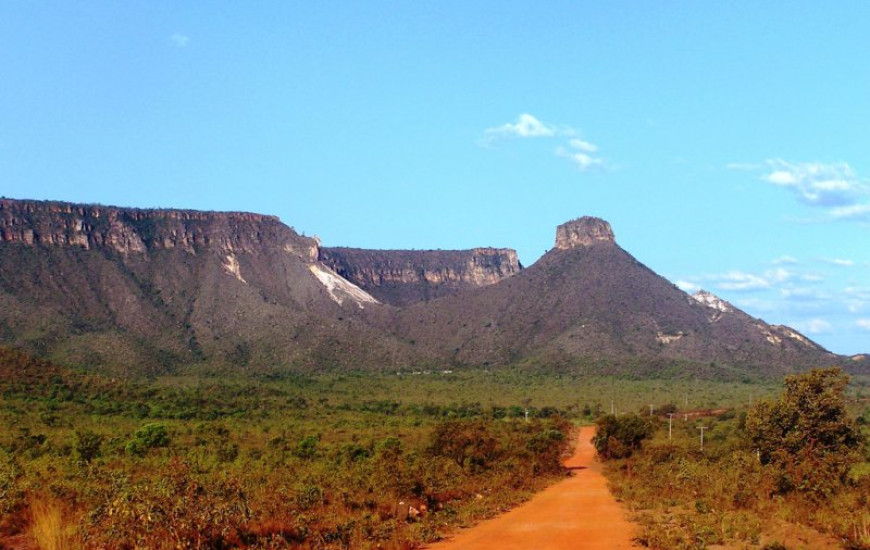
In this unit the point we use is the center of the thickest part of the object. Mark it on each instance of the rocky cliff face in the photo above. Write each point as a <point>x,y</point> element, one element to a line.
<point>584,231</point>
<point>132,231</point>
<point>121,288</point>
<point>402,277</point>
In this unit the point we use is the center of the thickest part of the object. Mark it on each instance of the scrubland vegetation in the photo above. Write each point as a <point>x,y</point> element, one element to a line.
<point>796,461</point>
<point>353,460</point>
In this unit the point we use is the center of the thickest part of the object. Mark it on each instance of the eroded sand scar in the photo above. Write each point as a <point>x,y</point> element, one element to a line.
<point>578,513</point>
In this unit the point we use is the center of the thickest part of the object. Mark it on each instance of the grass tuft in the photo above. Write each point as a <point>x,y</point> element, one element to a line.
<point>48,527</point>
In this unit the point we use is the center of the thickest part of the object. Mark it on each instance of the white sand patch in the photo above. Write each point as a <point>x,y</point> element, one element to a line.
<point>339,289</point>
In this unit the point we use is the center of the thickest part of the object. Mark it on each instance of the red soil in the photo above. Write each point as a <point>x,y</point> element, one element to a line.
<point>578,513</point>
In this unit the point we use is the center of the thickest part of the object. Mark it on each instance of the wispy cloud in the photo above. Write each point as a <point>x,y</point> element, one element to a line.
<point>785,260</point>
<point>580,152</point>
<point>863,324</point>
<point>802,294</point>
<point>815,183</point>
<point>814,326</point>
<point>839,262</point>
<point>834,187</point>
<point>180,40</point>
<point>740,281</point>
<point>687,286</point>
<point>526,126</point>
<point>857,299</point>
<point>852,212</point>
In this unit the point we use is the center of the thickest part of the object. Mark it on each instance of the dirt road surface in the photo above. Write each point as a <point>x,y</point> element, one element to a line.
<point>578,513</point>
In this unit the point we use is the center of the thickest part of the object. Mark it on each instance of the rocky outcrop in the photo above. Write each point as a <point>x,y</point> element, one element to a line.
<point>134,231</point>
<point>402,277</point>
<point>584,231</point>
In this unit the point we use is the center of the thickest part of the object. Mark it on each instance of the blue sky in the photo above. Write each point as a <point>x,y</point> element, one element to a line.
<point>727,143</point>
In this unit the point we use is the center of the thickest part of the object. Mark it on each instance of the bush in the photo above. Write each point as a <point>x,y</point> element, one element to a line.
<point>806,435</point>
<point>467,443</point>
<point>149,436</point>
<point>620,436</point>
<point>87,445</point>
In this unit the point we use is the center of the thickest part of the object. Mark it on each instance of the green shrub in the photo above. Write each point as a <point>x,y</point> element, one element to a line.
<point>87,445</point>
<point>149,436</point>
<point>620,436</point>
<point>807,436</point>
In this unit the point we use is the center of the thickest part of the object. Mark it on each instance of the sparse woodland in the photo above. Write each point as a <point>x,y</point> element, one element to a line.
<point>363,460</point>
<point>798,459</point>
<point>89,462</point>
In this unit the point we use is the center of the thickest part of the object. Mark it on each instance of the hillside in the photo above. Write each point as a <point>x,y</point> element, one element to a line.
<point>586,299</point>
<point>156,290</point>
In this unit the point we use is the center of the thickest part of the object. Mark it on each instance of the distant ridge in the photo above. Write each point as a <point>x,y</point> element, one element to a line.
<point>588,298</point>
<point>153,290</point>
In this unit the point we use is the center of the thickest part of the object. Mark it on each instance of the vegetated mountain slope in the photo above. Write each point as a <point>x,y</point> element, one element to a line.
<point>153,289</point>
<point>589,299</point>
<point>402,277</point>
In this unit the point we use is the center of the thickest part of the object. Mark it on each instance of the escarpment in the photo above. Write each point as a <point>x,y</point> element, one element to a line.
<point>402,277</point>
<point>138,290</point>
<point>133,230</point>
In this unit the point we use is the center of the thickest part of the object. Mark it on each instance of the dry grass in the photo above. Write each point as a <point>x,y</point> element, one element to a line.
<point>49,528</point>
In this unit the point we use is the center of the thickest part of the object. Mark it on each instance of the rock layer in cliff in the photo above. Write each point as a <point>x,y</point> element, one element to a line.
<point>403,277</point>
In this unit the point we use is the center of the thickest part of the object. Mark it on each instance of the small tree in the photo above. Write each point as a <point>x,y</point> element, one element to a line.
<point>149,436</point>
<point>806,435</point>
<point>87,445</point>
<point>620,436</point>
<point>469,443</point>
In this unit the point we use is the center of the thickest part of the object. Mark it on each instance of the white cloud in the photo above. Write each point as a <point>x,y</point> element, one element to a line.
<point>859,291</point>
<point>180,40</point>
<point>852,212</point>
<point>583,160</point>
<point>803,294</point>
<point>839,262</point>
<point>834,187</point>
<point>863,324</point>
<point>686,286</point>
<point>814,326</point>
<point>580,152</point>
<point>857,299</point>
<point>584,146</point>
<point>526,126</point>
<point>740,281</point>
<point>778,275</point>
<point>785,260</point>
<point>815,183</point>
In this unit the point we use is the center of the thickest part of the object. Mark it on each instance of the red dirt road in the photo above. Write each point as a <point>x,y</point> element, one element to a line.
<point>578,513</point>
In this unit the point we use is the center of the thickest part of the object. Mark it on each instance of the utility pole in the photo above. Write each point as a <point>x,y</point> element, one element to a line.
<point>651,409</point>
<point>612,407</point>
<point>702,428</point>
<point>670,425</point>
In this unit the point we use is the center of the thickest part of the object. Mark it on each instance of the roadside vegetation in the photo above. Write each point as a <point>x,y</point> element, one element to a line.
<point>272,460</point>
<point>768,476</point>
